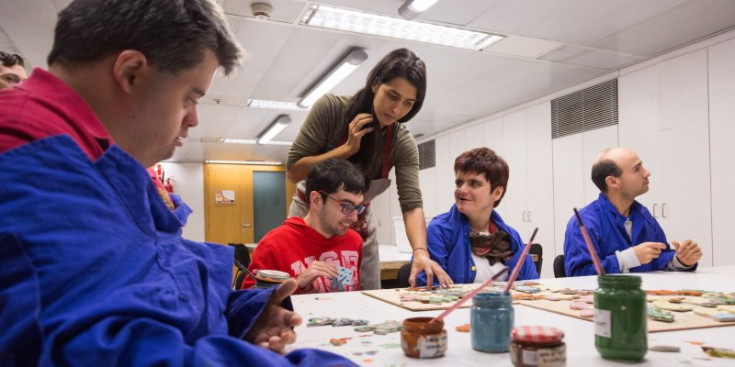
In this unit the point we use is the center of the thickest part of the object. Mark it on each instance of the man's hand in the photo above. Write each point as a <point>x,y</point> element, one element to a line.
<point>274,328</point>
<point>688,252</point>
<point>317,269</point>
<point>422,261</point>
<point>647,251</point>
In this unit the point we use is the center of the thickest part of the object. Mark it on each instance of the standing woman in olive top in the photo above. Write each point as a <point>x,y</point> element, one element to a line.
<point>363,129</point>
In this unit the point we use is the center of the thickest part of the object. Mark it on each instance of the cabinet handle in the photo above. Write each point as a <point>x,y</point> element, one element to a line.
<point>523,215</point>
<point>654,210</point>
<point>246,225</point>
<point>529,217</point>
<point>663,210</point>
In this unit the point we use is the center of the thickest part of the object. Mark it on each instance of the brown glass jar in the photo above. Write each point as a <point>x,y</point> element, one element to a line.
<point>421,338</point>
<point>538,346</point>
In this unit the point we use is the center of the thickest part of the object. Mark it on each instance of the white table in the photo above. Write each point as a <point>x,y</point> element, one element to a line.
<point>579,333</point>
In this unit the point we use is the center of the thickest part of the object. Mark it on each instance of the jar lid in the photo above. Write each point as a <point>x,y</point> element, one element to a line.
<point>272,275</point>
<point>537,334</point>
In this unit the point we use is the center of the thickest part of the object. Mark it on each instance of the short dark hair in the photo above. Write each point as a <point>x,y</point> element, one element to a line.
<point>331,175</point>
<point>485,161</point>
<point>399,63</point>
<point>601,170</point>
<point>9,59</point>
<point>172,34</point>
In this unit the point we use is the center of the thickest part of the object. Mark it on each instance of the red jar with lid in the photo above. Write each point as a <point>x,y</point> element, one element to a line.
<point>538,346</point>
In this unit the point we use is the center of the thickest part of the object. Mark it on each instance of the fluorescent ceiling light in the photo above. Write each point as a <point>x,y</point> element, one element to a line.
<point>412,8</point>
<point>238,141</point>
<point>261,163</point>
<point>274,105</point>
<point>276,127</point>
<point>378,25</point>
<point>253,142</point>
<point>348,64</point>
<point>276,142</point>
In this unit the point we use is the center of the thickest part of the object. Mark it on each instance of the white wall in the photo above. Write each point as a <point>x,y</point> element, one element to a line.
<point>188,182</point>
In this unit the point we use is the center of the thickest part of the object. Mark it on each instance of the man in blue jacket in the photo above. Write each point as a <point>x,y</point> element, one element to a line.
<point>624,234</point>
<point>93,268</point>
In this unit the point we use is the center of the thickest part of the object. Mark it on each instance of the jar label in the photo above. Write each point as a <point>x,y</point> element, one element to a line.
<point>541,357</point>
<point>431,346</point>
<point>530,357</point>
<point>552,357</point>
<point>602,323</point>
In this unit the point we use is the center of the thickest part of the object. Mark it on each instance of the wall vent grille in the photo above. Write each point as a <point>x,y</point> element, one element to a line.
<point>427,155</point>
<point>588,109</point>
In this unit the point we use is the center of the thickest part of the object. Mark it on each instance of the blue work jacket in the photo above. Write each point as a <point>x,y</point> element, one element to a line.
<point>606,229</point>
<point>94,271</point>
<point>448,239</point>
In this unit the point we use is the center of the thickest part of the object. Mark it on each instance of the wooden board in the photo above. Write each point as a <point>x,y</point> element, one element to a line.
<point>393,297</point>
<point>682,321</point>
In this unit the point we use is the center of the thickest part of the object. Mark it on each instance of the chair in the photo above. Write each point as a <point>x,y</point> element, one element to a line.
<point>402,277</point>
<point>559,267</point>
<point>537,250</point>
<point>242,255</point>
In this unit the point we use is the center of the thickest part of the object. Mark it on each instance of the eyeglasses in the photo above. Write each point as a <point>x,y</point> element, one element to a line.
<point>347,208</point>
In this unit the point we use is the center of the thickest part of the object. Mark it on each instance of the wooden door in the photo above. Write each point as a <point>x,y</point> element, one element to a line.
<point>233,222</point>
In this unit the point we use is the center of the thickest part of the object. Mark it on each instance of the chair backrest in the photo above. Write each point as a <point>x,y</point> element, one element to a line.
<point>402,277</point>
<point>559,267</point>
<point>242,255</point>
<point>537,250</point>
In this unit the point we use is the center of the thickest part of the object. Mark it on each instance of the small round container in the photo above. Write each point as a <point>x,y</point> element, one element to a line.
<point>538,346</point>
<point>265,279</point>
<point>491,319</point>
<point>621,318</point>
<point>421,338</point>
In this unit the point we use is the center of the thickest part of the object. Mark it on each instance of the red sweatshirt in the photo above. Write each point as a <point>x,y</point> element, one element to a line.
<point>292,246</point>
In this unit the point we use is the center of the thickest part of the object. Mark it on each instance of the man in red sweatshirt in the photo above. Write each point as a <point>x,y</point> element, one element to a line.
<point>319,250</point>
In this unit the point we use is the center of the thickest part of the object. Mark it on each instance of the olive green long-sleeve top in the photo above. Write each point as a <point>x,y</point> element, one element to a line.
<point>322,131</point>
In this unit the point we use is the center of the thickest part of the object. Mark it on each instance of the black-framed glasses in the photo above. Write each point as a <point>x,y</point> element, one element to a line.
<point>347,208</point>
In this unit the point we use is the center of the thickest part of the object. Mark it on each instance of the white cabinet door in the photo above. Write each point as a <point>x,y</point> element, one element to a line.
<point>568,183</point>
<point>664,117</point>
<point>573,187</point>
<point>594,142</point>
<point>722,150</point>
<point>539,179</point>
<point>514,205</point>
<point>494,135</point>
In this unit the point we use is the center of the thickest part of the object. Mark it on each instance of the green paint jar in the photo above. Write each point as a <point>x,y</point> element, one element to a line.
<point>621,325</point>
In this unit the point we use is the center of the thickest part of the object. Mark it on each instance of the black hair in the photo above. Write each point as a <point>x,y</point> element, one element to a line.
<point>172,34</point>
<point>8,59</point>
<point>331,175</point>
<point>601,170</point>
<point>400,63</point>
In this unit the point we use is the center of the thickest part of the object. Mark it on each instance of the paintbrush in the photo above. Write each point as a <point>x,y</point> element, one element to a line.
<point>590,247</point>
<point>523,257</point>
<point>469,295</point>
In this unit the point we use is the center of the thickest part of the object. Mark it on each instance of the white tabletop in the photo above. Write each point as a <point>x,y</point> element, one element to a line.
<point>391,253</point>
<point>384,350</point>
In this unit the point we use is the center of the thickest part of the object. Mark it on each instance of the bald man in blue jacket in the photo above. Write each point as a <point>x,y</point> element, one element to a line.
<point>623,232</point>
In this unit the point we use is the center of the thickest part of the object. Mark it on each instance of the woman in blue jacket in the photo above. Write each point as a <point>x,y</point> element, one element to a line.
<point>471,242</point>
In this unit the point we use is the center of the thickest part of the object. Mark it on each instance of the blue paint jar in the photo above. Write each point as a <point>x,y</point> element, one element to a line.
<point>491,320</point>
